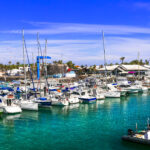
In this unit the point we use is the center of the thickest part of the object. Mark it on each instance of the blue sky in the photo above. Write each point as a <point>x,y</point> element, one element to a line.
<point>73,29</point>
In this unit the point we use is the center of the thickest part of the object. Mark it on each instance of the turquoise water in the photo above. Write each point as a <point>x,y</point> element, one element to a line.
<point>81,126</point>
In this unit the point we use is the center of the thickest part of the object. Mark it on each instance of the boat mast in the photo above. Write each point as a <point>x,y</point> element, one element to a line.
<point>46,57</point>
<point>33,64</point>
<point>104,58</point>
<point>138,65</point>
<point>39,50</point>
<point>46,82</point>
<point>24,64</point>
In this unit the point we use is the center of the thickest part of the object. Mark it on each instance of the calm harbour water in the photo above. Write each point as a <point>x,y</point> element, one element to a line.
<point>80,126</point>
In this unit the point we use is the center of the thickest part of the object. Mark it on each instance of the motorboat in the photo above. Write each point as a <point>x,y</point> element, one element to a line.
<point>112,94</point>
<point>132,89</point>
<point>142,137</point>
<point>116,88</point>
<point>8,105</point>
<point>99,95</point>
<point>59,100</point>
<point>73,98</point>
<point>143,88</point>
<point>86,98</point>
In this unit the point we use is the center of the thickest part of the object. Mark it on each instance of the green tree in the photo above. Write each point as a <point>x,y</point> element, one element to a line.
<point>55,62</point>
<point>141,62</point>
<point>134,62</point>
<point>146,62</point>
<point>60,62</point>
<point>70,64</point>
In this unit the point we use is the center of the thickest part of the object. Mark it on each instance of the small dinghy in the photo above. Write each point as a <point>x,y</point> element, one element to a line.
<point>142,137</point>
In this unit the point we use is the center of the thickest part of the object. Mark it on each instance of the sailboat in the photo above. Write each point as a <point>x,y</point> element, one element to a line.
<point>108,93</point>
<point>44,101</point>
<point>26,104</point>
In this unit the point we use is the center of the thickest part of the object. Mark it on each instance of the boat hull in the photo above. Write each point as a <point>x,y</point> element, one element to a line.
<point>29,106</point>
<point>136,140</point>
<point>100,97</point>
<point>87,100</point>
<point>12,109</point>
<point>60,103</point>
<point>112,95</point>
<point>74,100</point>
<point>44,104</point>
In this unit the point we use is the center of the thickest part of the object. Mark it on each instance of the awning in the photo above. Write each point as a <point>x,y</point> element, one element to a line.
<point>131,72</point>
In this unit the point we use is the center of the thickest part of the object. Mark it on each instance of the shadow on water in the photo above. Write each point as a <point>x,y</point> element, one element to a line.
<point>136,146</point>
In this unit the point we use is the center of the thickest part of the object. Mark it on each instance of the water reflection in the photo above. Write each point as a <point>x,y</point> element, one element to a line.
<point>105,120</point>
<point>9,120</point>
<point>73,106</point>
<point>34,115</point>
<point>100,102</point>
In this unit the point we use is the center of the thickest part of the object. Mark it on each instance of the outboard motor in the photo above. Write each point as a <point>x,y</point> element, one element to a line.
<point>130,132</point>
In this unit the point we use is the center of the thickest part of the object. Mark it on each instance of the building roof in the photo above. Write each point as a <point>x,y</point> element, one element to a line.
<point>125,68</point>
<point>147,66</point>
<point>109,68</point>
<point>134,67</point>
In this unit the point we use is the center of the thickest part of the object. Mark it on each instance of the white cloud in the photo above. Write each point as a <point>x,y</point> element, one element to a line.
<point>87,50</point>
<point>47,28</point>
<point>80,51</point>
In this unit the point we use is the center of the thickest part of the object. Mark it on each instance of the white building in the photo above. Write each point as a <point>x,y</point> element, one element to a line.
<point>14,72</point>
<point>70,74</point>
<point>125,69</point>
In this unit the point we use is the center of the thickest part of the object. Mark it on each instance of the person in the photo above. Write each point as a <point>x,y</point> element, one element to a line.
<point>44,90</point>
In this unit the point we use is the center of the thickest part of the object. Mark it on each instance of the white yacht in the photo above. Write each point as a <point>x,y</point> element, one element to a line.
<point>124,84</point>
<point>86,98</point>
<point>28,104</point>
<point>115,88</point>
<point>140,86</point>
<point>112,94</point>
<point>8,105</point>
<point>59,100</point>
<point>98,94</point>
<point>73,98</point>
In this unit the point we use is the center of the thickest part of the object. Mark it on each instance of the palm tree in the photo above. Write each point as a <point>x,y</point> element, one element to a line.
<point>82,66</point>
<point>60,62</point>
<point>122,59</point>
<point>55,62</point>
<point>18,64</point>
<point>9,62</point>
